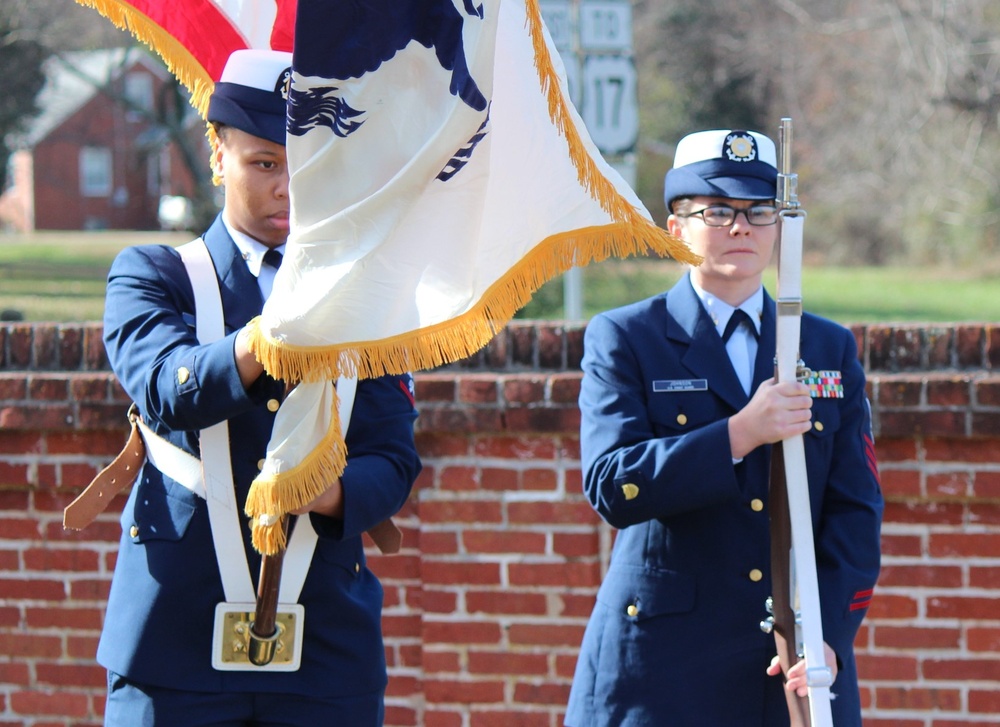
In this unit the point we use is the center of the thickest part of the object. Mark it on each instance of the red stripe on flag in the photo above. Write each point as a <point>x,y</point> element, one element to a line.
<point>193,23</point>
<point>864,594</point>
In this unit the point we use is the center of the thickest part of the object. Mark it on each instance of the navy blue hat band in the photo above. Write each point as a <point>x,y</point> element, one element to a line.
<point>257,112</point>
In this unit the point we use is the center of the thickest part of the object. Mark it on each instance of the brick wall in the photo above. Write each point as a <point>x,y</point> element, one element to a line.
<point>486,605</point>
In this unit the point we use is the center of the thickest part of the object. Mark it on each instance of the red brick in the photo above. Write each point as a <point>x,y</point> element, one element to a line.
<point>48,388</point>
<point>984,514</point>
<point>60,559</point>
<point>477,389</point>
<point>900,483</point>
<point>964,544</point>
<point>435,662</point>
<point>917,698</point>
<point>896,449</point>
<point>984,701</point>
<point>922,423</point>
<point>986,485</point>
<point>506,602</point>
<point>545,634</point>
<point>567,575</point>
<point>539,479</point>
<point>509,718</point>
<point>887,668</point>
<point>954,449</point>
<point>433,600</point>
<point>507,662</point>
<point>933,513</point>
<point>983,639</point>
<point>987,391</point>
<point>458,478</point>
<point>442,718</point>
<point>918,638</point>
<point>20,443</point>
<point>949,484</point>
<point>396,627</point>
<point>503,541</point>
<point>461,632</point>
<point>438,543</point>
<point>576,512</point>
<point>434,387</point>
<point>899,392</point>
<point>575,545</point>
<point>985,577</point>
<point>71,675</point>
<point>985,424</point>
<point>56,702</point>
<point>901,545</point>
<point>890,606</point>
<point>564,388</point>
<point>921,576</point>
<point>524,448</point>
<point>963,607</point>
<point>532,693</point>
<point>962,669</point>
<point>13,386</point>
<point>448,572</point>
<point>543,419</point>
<point>523,390</point>
<point>463,511</point>
<point>499,478</point>
<point>34,646</point>
<point>953,391</point>
<point>969,345</point>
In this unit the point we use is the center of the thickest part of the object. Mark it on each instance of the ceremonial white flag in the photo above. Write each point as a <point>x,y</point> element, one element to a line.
<point>439,176</point>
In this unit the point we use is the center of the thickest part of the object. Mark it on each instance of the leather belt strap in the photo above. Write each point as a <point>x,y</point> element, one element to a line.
<point>109,481</point>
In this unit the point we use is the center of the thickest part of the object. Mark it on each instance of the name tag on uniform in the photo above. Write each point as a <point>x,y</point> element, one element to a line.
<point>672,385</point>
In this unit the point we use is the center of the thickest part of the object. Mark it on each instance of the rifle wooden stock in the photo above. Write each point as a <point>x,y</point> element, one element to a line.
<point>782,608</point>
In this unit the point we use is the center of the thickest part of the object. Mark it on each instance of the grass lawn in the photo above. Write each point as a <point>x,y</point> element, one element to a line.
<point>60,277</point>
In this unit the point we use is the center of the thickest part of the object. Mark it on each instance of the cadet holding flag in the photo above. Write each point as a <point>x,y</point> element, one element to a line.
<point>679,409</point>
<point>184,566</point>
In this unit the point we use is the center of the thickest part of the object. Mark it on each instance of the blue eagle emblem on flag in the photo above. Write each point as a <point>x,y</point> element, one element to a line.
<point>346,40</point>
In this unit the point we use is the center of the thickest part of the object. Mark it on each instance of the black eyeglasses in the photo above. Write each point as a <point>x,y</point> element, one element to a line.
<point>722,215</point>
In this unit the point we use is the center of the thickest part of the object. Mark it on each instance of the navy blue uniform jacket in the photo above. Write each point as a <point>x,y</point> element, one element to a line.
<point>692,557</point>
<point>158,628</point>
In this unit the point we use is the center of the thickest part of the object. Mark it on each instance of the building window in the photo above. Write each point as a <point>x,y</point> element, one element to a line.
<point>139,93</point>
<point>95,171</point>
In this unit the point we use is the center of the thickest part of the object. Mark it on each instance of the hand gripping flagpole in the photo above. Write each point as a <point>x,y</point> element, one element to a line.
<point>794,581</point>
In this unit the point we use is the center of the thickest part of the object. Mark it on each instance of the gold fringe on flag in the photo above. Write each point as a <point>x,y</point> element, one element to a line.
<point>462,336</point>
<point>272,497</point>
<point>178,59</point>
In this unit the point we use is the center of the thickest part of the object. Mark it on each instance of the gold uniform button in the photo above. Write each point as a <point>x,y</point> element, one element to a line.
<point>818,426</point>
<point>357,567</point>
<point>756,575</point>
<point>682,420</point>
<point>272,405</point>
<point>133,531</point>
<point>632,610</point>
<point>260,464</point>
<point>183,375</point>
<point>630,491</point>
<point>756,504</point>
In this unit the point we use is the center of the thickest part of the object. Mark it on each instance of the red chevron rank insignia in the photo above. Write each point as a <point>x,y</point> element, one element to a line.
<point>862,599</point>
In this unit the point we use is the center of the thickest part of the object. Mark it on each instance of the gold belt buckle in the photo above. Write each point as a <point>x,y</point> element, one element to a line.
<point>231,638</point>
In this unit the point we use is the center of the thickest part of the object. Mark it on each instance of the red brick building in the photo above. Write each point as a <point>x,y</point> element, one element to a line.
<point>95,157</point>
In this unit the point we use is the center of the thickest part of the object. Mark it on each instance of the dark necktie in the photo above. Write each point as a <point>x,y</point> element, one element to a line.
<point>739,316</point>
<point>272,258</point>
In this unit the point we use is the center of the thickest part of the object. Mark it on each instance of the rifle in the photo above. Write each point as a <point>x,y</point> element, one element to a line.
<point>795,617</point>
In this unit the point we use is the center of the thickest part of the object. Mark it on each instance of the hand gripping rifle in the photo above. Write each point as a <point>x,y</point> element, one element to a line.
<point>795,611</point>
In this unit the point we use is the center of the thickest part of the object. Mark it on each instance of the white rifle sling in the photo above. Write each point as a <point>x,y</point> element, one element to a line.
<point>215,466</point>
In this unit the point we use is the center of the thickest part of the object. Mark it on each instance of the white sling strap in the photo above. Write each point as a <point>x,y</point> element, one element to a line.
<point>217,469</point>
<point>212,478</point>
